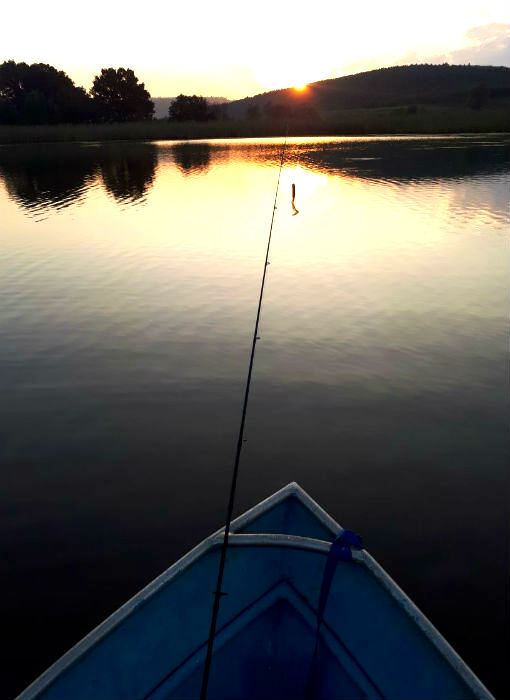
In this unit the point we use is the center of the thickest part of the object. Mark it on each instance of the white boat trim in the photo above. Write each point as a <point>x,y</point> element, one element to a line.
<point>292,489</point>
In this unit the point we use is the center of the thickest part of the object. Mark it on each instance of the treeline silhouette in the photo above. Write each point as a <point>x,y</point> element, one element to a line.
<point>420,84</point>
<point>41,94</point>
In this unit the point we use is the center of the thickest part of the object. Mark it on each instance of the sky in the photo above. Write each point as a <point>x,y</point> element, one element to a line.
<point>232,49</point>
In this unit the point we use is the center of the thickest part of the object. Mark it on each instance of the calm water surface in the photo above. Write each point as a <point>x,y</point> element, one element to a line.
<point>129,277</point>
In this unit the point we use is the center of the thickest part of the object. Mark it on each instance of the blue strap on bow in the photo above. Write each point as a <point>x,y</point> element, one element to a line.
<point>340,550</point>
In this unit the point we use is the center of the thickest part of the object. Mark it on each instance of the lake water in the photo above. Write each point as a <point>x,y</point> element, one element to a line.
<point>129,278</point>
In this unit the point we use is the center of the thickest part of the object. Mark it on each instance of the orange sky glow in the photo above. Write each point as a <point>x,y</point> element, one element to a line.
<point>222,50</point>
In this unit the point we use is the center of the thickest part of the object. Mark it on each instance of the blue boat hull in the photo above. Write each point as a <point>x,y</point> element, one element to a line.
<point>374,643</point>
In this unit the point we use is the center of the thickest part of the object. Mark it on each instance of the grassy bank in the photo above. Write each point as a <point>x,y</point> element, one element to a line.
<point>426,120</point>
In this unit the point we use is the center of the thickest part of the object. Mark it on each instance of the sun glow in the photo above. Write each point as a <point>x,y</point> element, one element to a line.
<point>296,73</point>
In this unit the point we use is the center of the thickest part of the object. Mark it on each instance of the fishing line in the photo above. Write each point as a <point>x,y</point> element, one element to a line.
<point>218,592</point>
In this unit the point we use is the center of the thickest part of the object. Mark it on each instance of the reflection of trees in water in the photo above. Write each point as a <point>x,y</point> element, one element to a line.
<point>406,159</point>
<point>403,159</point>
<point>48,177</point>
<point>457,162</point>
<point>193,157</point>
<point>43,176</point>
<point>128,173</point>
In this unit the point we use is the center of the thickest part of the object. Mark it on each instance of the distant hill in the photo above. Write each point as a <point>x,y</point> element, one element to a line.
<point>385,87</point>
<point>161,104</point>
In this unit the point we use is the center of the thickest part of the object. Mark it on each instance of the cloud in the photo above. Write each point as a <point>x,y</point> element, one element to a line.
<point>489,45</point>
<point>488,32</point>
<point>485,45</point>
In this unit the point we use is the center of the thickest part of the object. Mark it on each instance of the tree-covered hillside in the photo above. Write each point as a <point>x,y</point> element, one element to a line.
<point>469,85</point>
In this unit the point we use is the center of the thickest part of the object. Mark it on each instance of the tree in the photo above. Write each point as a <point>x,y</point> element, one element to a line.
<point>189,108</point>
<point>40,94</point>
<point>119,96</point>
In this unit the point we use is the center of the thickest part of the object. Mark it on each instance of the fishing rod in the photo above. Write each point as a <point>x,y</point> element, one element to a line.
<point>230,508</point>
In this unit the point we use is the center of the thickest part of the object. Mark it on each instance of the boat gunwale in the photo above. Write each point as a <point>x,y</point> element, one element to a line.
<point>236,539</point>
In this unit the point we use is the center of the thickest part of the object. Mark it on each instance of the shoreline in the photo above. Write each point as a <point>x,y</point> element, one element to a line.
<point>427,121</point>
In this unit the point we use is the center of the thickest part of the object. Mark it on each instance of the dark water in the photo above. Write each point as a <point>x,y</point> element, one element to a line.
<point>129,277</point>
